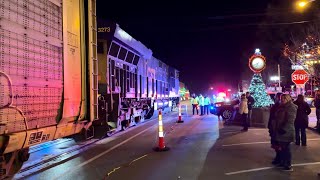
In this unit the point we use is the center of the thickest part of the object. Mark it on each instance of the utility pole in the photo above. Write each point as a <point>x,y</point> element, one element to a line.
<point>279,76</point>
<point>311,85</point>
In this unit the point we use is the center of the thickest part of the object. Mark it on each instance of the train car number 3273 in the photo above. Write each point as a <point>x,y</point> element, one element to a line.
<point>104,29</point>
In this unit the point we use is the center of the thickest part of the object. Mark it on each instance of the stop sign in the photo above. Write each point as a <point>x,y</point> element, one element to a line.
<point>300,76</point>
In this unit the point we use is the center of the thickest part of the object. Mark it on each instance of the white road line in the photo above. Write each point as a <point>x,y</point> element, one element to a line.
<point>250,143</point>
<point>248,170</point>
<point>262,142</point>
<point>267,168</point>
<point>101,154</point>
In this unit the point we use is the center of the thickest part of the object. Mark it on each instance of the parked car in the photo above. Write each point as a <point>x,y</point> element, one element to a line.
<point>225,108</point>
<point>309,100</point>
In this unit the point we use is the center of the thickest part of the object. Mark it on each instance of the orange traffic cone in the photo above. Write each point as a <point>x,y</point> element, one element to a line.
<point>161,146</point>
<point>180,118</point>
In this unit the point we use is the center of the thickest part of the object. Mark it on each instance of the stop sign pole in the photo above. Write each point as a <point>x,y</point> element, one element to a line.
<point>300,77</point>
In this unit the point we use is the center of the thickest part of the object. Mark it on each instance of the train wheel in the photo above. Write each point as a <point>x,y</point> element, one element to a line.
<point>89,133</point>
<point>11,163</point>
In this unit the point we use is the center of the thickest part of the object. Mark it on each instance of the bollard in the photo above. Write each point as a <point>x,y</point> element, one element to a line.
<point>161,145</point>
<point>180,118</point>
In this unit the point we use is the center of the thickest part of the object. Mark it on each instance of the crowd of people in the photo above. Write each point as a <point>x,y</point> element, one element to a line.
<point>287,123</point>
<point>200,101</point>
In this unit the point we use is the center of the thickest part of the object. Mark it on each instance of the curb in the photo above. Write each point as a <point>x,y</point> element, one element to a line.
<point>313,129</point>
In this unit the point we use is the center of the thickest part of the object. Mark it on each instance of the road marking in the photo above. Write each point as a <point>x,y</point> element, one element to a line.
<point>103,153</point>
<point>250,143</point>
<point>248,170</point>
<point>267,168</point>
<point>114,170</point>
<point>117,168</point>
<point>138,159</point>
<point>262,142</point>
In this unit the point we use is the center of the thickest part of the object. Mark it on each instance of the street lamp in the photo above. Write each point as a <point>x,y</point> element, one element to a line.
<point>301,5</point>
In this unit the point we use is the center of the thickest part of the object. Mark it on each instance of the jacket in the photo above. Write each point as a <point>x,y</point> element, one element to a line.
<point>282,126</point>
<point>303,111</point>
<point>207,101</point>
<point>317,103</point>
<point>250,102</point>
<point>273,110</point>
<point>201,100</point>
<point>195,100</point>
<point>243,108</point>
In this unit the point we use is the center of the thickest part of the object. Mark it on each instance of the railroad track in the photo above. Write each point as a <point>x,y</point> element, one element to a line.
<point>49,144</point>
<point>47,162</point>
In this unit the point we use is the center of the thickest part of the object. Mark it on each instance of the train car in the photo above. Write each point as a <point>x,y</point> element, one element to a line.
<point>48,75</point>
<point>58,80</point>
<point>133,84</point>
<point>173,80</point>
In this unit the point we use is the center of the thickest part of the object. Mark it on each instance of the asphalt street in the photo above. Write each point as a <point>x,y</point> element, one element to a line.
<point>200,148</point>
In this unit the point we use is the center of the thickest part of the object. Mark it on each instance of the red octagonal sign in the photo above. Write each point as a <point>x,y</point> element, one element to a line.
<point>300,77</point>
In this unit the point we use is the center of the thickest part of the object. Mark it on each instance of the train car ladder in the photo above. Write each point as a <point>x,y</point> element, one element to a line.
<point>92,22</point>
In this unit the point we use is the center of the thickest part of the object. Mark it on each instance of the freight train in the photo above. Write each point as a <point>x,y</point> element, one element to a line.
<point>63,72</point>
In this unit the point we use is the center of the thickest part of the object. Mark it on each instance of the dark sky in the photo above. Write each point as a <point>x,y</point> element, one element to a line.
<point>205,41</point>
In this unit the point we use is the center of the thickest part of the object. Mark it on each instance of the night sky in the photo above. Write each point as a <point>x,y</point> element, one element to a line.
<point>209,43</point>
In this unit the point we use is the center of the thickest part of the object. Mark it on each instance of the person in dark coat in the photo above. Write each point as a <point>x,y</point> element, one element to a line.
<point>250,105</point>
<point>282,127</point>
<point>301,122</point>
<point>317,106</point>
<point>274,143</point>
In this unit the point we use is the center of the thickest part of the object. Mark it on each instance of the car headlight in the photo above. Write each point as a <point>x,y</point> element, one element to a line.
<point>218,105</point>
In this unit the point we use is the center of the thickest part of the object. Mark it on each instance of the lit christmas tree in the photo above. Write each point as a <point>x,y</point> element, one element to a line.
<point>258,91</point>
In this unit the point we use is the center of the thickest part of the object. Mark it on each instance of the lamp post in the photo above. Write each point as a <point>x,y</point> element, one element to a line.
<point>301,5</point>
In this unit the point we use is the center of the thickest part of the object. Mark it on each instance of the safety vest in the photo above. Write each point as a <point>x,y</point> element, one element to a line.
<point>201,101</point>
<point>207,101</point>
<point>195,100</point>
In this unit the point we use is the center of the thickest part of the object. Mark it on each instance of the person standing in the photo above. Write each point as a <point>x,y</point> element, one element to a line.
<point>201,103</point>
<point>250,105</point>
<point>284,131</point>
<point>317,106</point>
<point>243,110</point>
<point>207,103</point>
<point>274,143</point>
<point>301,122</point>
<point>195,103</point>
